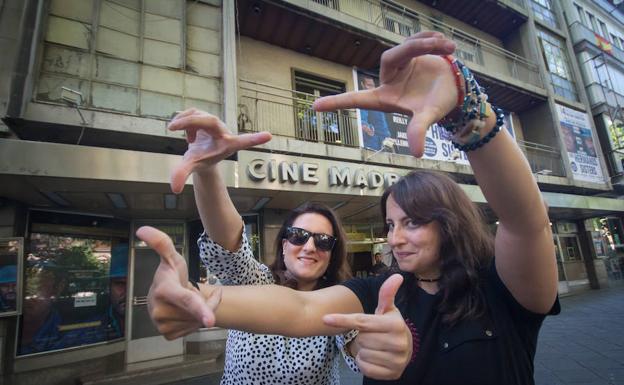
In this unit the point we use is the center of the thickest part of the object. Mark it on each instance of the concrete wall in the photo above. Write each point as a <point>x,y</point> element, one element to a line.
<point>270,64</point>
<point>10,17</point>
<point>538,126</point>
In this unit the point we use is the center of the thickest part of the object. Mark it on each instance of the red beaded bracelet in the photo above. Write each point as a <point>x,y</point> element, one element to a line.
<point>458,80</point>
<point>415,339</point>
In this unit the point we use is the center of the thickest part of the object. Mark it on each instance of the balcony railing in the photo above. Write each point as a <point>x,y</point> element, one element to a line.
<point>289,113</point>
<point>599,94</point>
<point>544,160</point>
<point>579,32</point>
<point>404,21</point>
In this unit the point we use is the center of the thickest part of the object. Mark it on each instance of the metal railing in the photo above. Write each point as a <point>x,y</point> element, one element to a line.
<point>579,32</point>
<point>289,113</point>
<point>543,159</point>
<point>404,21</point>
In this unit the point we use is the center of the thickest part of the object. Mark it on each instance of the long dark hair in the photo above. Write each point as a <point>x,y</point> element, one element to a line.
<point>338,269</point>
<point>466,244</point>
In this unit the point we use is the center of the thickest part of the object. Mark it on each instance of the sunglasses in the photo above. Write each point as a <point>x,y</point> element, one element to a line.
<point>298,237</point>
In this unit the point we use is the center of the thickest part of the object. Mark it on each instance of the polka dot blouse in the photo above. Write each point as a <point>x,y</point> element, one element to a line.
<point>270,359</point>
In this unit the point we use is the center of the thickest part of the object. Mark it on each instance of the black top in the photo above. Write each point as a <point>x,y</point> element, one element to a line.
<point>497,349</point>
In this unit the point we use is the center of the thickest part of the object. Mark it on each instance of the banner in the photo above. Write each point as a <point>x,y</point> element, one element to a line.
<point>74,292</point>
<point>376,127</point>
<point>579,144</point>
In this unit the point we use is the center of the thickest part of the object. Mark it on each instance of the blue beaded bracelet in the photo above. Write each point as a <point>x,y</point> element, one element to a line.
<point>500,119</point>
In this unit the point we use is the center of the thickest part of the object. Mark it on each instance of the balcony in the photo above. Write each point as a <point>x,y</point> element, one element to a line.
<point>584,38</point>
<point>599,94</point>
<point>543,159</point>
<point>356,32</point>
<point>498,18</point>
<point>289,113</point>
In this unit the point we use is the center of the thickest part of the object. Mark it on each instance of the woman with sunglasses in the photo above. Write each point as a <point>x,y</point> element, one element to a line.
<point>310,254</point>
<point>471,304</point>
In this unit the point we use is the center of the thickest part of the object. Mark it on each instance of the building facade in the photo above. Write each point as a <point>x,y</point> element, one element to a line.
<point>87,88</point>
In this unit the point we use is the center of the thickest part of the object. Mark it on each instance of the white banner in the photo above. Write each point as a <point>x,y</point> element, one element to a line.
<point>577,136</point>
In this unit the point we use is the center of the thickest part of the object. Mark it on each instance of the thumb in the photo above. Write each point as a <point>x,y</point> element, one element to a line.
<point>387,292</point>
<point>160,243</point>
<point>417,130</point>
<point>180,174</point>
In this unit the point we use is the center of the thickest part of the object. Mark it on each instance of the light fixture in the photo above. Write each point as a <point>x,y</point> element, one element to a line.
<point>56,198</point>
<point>118,200</point>
<point>171,201</point>
<point>260,203</point>
<point>357,43</point>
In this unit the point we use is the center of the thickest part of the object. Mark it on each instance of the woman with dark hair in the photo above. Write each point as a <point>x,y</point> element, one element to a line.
<point>311,253</point>
<point>469,305</point>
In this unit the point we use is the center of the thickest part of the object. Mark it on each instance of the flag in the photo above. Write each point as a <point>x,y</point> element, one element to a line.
<point>603,44</point>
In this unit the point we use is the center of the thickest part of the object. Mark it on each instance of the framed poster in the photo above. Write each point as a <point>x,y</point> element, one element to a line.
<point>11,256</point>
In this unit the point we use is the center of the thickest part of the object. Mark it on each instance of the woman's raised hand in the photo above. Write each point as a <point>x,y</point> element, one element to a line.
<point>383,346</point>
<point>209,142</point>
<point>175,306</point>
<point>414,80</point>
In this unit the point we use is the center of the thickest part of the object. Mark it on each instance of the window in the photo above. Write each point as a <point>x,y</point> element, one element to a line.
<point>467,50</point>
<point>592,23</point>
<point>132,59</point>
<point>603,29</point>
<point>555,56</point>
<point>335,127</point>
<point>75,276</point>
<point>581,14</point>
<point>616,41</point>
<point>542,9</point>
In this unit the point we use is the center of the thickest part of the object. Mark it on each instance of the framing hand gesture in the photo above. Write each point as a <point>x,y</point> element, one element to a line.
<point>414,81</point>
<point>175,306</point>
<point>209,143</point>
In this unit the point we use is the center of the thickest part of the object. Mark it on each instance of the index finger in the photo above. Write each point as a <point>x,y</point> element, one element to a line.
<point>366,99</point>
<point>160,243</point>
<point>362,322</point>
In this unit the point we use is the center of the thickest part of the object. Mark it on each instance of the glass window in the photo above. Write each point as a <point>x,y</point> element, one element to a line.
<point>581,14</point>
<point>555,56</point>
<point>110,58</point>
<point>616,41</point>
<point>336,127</point>
<point>603,29</point>
<point>592,22</point>
<point>75,273</point>
<point>542,9</point>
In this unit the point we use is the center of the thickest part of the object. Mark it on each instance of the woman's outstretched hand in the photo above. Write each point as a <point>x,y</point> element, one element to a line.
<point>414,80</point>
<point>175,306</point>
<point>383,346</point>
<point>209,143</point>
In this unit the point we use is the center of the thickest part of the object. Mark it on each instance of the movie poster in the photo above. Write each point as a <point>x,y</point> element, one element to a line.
<point>579,144</point>
<point>377,127</point>
<point>74,292</point>
<point>10,255</point>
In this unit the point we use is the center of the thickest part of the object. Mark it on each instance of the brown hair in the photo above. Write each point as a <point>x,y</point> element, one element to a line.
<point>466,245</point>
<point>338,269</point>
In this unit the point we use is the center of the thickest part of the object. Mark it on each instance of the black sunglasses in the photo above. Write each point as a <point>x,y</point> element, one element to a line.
<point>298,237</point>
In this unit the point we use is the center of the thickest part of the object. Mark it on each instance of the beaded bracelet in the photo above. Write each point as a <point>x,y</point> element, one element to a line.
<point>457,72</point>
<point>471,146</point>
<point>415,339</point>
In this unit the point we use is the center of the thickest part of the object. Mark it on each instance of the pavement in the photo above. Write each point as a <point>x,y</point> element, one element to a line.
<point>584,345</point>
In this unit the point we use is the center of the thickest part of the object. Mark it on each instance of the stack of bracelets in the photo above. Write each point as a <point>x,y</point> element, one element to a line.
<point>467,121</point>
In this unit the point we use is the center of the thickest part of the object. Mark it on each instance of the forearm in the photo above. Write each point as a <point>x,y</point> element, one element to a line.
<point>505,177</point>
<point>219,217</point>
<point>273,309</point>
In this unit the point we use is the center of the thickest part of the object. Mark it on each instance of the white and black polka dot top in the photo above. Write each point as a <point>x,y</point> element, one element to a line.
<point>269,359</point>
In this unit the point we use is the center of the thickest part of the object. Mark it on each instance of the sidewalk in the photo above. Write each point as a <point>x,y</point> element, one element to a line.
<point>584,345</point>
